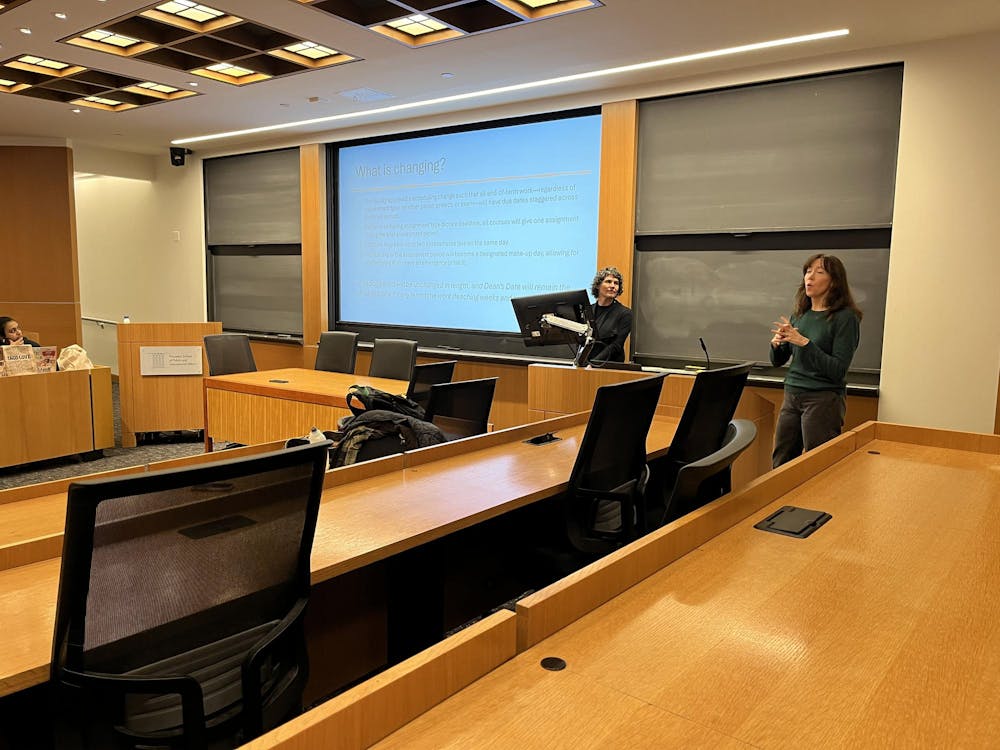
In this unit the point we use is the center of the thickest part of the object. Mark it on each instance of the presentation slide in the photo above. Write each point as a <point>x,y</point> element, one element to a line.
<point>441,231</point>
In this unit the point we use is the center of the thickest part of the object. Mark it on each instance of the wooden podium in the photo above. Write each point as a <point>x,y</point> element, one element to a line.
<point>158,403</point>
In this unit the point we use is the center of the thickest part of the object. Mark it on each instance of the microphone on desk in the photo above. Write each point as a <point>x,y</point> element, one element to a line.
<point>708,362</point>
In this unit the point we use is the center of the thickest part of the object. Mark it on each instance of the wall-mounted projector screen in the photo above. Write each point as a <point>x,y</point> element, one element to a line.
<point>440,231</point>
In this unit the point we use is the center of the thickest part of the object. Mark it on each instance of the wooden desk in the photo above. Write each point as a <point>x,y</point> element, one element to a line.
<point>370,511</point>
<point>251,408</point>
<point>55,414</point>
<point>879,630</point>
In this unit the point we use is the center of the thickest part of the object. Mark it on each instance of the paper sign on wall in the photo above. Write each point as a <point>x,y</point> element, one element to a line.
<point>170,360</point>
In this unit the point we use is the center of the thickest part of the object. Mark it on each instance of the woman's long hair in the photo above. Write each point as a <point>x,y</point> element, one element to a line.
<point>839,295</point>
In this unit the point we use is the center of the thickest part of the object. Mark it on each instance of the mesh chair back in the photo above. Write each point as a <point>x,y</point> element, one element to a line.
<point>229,353</point>
<point>709,478</point>
<point>337,351</point>
<point>611,463</point>
<point>182,572</point>
<point>461,409</point>
<point>393,358</point>
<point>424,376</point>
<point>707,414</point>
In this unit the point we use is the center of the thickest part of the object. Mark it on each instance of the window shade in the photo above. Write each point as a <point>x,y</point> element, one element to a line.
<point>253,199</point>
<point>258,293</point>
<point>816,153</point>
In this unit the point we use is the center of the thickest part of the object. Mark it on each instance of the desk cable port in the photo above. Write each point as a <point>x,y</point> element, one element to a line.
<point>548,437</point>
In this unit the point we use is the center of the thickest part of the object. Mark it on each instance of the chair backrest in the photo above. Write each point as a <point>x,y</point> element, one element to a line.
<point>229,353</point>
<point>198,576</point>
<point>461,409</point>
<point>393,358</point>
<point>610,466</point>
<point>337,351</point>
<point>424,376</point>
<point>707,414</point>
<point>709,478</point>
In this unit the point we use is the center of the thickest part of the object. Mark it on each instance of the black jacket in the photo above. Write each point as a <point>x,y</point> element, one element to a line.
<point>611,328</point>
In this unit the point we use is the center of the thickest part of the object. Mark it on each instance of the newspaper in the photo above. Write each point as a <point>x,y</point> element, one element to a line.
<point>18,360</point>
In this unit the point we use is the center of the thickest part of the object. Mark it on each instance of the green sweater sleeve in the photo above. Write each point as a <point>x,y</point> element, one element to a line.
<point>822,364</point>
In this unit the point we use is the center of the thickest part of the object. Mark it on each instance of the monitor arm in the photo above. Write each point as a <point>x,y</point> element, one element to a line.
<point>581,329</point>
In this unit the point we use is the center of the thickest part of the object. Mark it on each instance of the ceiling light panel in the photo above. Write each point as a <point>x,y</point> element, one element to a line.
<point>54,80</point>
<point>11,4</point>
<point>208,42</point>
<point>441,20</point>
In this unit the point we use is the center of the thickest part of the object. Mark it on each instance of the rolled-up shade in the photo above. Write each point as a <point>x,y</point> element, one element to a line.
<point>253,199</point>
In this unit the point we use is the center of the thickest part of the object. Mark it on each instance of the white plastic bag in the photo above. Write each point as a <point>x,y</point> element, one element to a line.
<point>73,357</point>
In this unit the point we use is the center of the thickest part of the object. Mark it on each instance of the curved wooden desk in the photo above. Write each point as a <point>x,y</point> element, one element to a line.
<point>878,630</point>
<point>370,511</point>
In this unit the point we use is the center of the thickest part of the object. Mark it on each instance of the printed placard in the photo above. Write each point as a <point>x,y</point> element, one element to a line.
<point>170,360</point>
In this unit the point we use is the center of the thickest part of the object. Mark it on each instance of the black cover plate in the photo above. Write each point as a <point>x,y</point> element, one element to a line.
<point>792,521</point>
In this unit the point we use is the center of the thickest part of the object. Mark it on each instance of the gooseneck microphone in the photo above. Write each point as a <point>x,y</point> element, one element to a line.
<point>708,362</point>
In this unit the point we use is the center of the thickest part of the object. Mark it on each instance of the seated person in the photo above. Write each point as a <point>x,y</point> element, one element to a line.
<point>612,322</point>
<point>11,333</point>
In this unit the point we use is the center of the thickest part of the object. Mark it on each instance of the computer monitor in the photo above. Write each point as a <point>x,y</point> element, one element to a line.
<point>573,305</point>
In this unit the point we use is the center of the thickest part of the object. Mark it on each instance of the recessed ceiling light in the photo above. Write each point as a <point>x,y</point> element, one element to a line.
<point>24,30</point>
<point>447,75</point>
<point>76,111</point>
<point>61,16</point>
<point>190,83</point>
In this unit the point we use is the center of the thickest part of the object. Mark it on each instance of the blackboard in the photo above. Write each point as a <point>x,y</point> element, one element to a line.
<point>730,298</point>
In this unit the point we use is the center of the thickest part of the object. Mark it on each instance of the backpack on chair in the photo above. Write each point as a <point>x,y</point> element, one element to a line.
<point>364,398</point>
<point>378,433</point>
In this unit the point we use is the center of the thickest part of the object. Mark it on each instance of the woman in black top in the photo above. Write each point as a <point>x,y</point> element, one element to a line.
<point>612,320</point>
<point>10,332</point>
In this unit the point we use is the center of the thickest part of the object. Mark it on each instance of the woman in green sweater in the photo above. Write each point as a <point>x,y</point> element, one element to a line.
<point>821,339</point>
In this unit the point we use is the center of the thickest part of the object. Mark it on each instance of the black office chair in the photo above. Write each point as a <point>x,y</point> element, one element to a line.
<point>700,482</point>
<point>702,428</point>
<point>337,351</point>
<point>229,353</point>
<point>393,358</point>
<point>461,409</point>
<point>424,376</point>
<point>179,619</point>
<point>604,506</point>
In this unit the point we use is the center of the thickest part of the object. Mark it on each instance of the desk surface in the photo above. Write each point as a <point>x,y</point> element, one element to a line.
<point>881,629</point>
<point>359,522</point>
<point>310,386</point>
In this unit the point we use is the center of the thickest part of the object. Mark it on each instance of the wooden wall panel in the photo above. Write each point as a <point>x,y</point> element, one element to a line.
<point>36,191</point>
<point>315,281</point>
<point>274,356</point>
<point>616,217</point>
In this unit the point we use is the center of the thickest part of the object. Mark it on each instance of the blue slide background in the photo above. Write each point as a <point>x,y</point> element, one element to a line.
<point>441,231</point>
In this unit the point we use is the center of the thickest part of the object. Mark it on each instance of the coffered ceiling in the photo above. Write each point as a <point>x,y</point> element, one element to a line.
<point>135,75</point>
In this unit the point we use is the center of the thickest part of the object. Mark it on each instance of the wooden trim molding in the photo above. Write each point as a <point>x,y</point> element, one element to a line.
<point>315,280</point>
<point>616,211</point>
